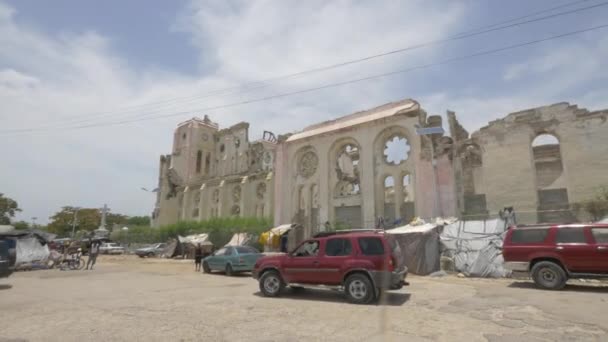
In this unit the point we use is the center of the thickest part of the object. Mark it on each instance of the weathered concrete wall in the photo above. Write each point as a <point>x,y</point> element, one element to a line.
<point>509,177</point>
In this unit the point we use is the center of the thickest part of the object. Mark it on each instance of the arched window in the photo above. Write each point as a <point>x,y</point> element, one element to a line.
<point>547,159</point>
<point>389,189</point>
<point>199,161</point>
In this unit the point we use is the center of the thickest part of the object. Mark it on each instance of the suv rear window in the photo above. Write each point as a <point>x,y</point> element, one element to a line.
<point>371,246</point>
<point>570,235</point>
<point>600,235</point>
<point>338,247</point>
<point>529,235</point>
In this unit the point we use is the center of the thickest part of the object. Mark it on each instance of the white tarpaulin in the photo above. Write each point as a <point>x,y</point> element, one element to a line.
<point>29,249</point>
<point>605,220</point>
<point>476,247</point>
<point>194,239</point>
<point>239,239</point>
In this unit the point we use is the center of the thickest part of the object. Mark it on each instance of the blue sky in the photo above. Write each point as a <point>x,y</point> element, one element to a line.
<point>68,62</point>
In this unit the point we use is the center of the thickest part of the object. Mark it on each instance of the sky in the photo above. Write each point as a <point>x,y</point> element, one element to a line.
<point>90,92</point>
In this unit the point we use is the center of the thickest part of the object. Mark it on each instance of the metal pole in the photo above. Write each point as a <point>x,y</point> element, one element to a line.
<point>74,222</point>
<point>434,166</point>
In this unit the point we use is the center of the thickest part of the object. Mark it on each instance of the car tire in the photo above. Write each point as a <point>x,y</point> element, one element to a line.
<point>141,255</point>
<point>271,284</point>
<point>229,271</point>
<point>150,255</point>
<point>359,289</point>
<point>206,268</point>
<point>549,275</point>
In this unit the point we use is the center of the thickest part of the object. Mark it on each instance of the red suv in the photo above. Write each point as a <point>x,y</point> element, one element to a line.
<point>361,263</point>
<point>552,254</point>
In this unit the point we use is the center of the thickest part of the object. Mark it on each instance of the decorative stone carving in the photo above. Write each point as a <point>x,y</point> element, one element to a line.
<point>347,164</point>
<point>346,188</point>
<point>471,155</point>
<point>236,210</point>
<point>261,190</point>
<point>236,194</point>
<point>308,164</point>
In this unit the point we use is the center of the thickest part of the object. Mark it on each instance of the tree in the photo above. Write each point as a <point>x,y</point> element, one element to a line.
<point>8,209</point>
<point>21,225</point>
<point>138,221</point>
<point>87,219</point>
<point>597,207</point>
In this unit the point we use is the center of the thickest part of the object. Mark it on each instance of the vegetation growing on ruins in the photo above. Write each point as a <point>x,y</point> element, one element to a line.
<point>597,206</point>
<point>220,230</point>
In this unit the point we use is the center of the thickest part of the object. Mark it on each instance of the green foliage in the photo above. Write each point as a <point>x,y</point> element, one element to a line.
<point>8,209</point>
<point>21,225</point>
<point>88,219</point>
<point>138,221</point>
<point>220,230</point>
<point>597,207</point>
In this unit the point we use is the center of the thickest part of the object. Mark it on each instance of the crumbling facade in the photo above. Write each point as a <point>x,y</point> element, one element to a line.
<point>372,169</point>
<point>541,161</point>
<point>215,173</point>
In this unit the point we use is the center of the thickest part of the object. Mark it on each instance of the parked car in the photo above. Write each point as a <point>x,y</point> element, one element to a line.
<point>111,248</point>
<point>232,259</point>
<point>151,251</point>
<point>7,261</point>
<point>361,263</point>
<point>552,254</point>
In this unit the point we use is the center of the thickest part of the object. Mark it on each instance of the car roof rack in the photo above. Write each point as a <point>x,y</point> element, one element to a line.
<point>346,231</point>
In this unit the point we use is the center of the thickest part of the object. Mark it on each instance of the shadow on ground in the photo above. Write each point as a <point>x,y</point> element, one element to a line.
<point>387,299</point>
<point>234,275</point>
<point>569,287</point>
<point>6,286</point>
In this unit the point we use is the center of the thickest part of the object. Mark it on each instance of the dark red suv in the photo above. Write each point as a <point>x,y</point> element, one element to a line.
<point>554,253</point>
<point>361,263</point>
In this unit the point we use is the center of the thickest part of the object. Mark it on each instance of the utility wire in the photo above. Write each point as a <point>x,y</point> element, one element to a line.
<point>266,82</point>
<point>337,84</point>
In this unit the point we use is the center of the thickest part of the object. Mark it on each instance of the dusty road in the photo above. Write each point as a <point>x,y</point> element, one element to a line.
<point>128,299</point>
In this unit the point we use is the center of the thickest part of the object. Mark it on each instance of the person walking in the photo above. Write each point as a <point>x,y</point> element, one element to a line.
<point>93,252</point>
<point>198,257</point>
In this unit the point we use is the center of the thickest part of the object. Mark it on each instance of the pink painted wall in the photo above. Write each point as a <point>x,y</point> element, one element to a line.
<point>445,188</point>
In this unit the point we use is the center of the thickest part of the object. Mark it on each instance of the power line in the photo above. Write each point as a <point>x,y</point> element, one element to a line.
<point>265,83</point>
<point>337,84</point>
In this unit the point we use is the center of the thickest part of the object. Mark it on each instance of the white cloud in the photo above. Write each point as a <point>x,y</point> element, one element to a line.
<point>75,75</point>
<point>46,78</point>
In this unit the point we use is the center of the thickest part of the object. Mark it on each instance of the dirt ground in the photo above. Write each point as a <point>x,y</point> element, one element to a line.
<point>132,299</point>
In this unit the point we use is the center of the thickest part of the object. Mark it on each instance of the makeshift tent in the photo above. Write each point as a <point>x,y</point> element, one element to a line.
<point>240,239</point>
<point>271,240</point>
<point>420,247</point>
<point>173,249</point>
<point>184,246</point>
<point>476,247</point>
<point>31,245</point>
<point>194,239</point>
<point>605,220</point>
<point>29,249</point>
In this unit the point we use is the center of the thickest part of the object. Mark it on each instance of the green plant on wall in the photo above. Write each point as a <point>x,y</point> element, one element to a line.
<point>597,206</point>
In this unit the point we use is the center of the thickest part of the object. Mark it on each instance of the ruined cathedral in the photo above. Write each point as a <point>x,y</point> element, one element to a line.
<point>372,167</point>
